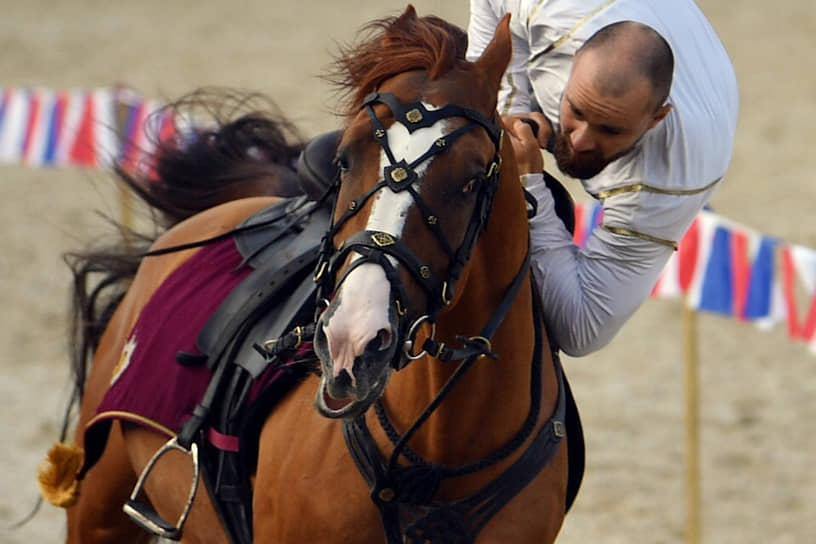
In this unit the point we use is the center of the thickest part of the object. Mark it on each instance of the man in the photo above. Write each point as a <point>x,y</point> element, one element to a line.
<point>638,99</point>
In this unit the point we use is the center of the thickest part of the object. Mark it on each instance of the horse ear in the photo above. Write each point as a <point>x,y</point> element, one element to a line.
<point>409,13</point>
<point>496,56</point>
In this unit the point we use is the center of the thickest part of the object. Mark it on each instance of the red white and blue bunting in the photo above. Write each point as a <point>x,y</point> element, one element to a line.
<point>720,266</point>
<point>727,268</point>
<point>78,127</point>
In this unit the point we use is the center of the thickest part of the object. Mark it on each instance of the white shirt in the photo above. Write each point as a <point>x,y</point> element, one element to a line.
<point>656,190</point>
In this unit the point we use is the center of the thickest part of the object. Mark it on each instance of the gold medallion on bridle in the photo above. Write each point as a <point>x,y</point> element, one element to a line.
<point>399,174</point>
<point>382,239</point>
<point>414,116</point>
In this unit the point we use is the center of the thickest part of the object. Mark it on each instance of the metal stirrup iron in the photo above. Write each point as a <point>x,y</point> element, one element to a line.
<point>144,514</point>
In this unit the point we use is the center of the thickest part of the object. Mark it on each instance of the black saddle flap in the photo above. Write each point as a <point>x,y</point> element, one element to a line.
<point>276,292</point>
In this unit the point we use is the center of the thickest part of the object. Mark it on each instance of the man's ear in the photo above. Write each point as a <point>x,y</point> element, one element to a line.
<point>660,114</point>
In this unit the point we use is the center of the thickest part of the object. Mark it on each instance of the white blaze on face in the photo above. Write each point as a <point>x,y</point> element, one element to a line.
<point>364,295</point>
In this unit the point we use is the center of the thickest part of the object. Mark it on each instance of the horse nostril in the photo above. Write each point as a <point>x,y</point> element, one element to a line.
<point>380,342</point>
<point>343,379</point>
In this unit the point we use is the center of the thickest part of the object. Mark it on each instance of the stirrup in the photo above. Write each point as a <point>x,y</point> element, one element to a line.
<point>144,514</point>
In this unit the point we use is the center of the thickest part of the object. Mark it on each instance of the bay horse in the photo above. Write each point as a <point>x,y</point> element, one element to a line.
<point>437,413</point>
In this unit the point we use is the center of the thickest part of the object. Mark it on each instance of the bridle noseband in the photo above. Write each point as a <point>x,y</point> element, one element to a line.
<point>376,247</point>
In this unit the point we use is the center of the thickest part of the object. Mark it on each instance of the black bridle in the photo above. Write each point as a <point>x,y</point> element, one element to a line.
<point>375,246</point>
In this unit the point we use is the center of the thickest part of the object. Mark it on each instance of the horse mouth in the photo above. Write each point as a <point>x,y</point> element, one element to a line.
<point>346,408</point>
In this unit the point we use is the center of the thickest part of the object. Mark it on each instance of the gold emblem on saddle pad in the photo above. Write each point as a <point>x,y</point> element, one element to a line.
<point>414,116</point>
<point>124,359</point>
<point>399,174</point>
<point>382,239</point>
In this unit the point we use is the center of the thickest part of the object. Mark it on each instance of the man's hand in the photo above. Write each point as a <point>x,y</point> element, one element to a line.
<point>526,146</point>
<point>544,133</point>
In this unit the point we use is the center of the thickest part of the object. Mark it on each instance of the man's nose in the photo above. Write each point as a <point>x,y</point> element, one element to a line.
<point>581,138</point>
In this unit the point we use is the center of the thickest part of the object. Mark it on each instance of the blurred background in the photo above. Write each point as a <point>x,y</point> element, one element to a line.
<point>757,388</point>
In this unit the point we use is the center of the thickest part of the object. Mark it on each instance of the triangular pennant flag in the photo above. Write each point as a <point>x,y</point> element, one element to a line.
<point>789,290</point>
<point>580,223</point>
<point>667,285</point>
<point>595,219</point>
<point>804,261</point>
<point>760,285</point>
<point>129,147</point>
<point>69,131</point>
<point>161,131</point>
<point>106,141</point>
<point>705,224</point>
<point>3,106</point>
<point>82,151</point>
<point>687,256</point>
<point>55,125</point>
<point>39,127</point>
<point>32,121</point>
<point>717,290</point>
<point>740,269</point>
<point>15,122</point>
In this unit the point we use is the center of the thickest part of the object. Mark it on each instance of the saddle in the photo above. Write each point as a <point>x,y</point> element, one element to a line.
<point>253,344</point>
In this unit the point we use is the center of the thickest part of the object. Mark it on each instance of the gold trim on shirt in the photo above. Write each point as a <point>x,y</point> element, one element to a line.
<point>649,237</point>
<point>638,187</point>
<point>513,90</point>
<point>535,10</point>
<point>569,34</point>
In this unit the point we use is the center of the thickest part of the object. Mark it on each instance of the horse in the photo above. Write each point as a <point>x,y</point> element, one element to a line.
<point>436,409</point>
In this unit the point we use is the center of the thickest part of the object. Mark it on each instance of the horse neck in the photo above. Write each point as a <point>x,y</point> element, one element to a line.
<point>489,403</point>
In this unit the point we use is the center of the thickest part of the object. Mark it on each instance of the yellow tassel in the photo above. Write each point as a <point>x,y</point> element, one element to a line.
<point>57,477</point>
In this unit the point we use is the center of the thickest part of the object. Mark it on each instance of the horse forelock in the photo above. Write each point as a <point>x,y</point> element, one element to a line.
<point>394,45</point>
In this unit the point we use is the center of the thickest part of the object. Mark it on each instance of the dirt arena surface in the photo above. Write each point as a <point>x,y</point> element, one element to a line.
<point>758,389</point>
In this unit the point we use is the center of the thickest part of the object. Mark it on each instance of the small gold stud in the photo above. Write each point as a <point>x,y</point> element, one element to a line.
<point>399,174</point>
<point>414,116</point>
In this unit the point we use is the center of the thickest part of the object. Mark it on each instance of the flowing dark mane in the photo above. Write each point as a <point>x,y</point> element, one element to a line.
<point>236,144</point>
<point>394,45</point>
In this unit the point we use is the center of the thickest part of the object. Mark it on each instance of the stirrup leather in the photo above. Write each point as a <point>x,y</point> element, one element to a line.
<point>144,514</point>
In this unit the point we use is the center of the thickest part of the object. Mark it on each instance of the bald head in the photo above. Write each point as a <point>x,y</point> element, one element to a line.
<point>625,54</point>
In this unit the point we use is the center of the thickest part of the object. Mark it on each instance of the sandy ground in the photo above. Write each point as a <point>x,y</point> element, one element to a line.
<point>758,389</point>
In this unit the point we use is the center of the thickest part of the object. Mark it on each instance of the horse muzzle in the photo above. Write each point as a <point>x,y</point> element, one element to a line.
<point>349,392</point>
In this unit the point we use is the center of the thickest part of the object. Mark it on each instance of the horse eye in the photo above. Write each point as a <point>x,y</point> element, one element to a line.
<point>470,186</point>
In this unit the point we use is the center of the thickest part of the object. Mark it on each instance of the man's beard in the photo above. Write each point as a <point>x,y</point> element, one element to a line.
<point>584,165</point>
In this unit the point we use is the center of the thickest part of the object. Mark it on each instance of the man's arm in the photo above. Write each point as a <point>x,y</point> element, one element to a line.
<point>588,294</point>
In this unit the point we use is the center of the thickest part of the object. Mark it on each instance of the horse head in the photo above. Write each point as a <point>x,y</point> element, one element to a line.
<point>419,165</point>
